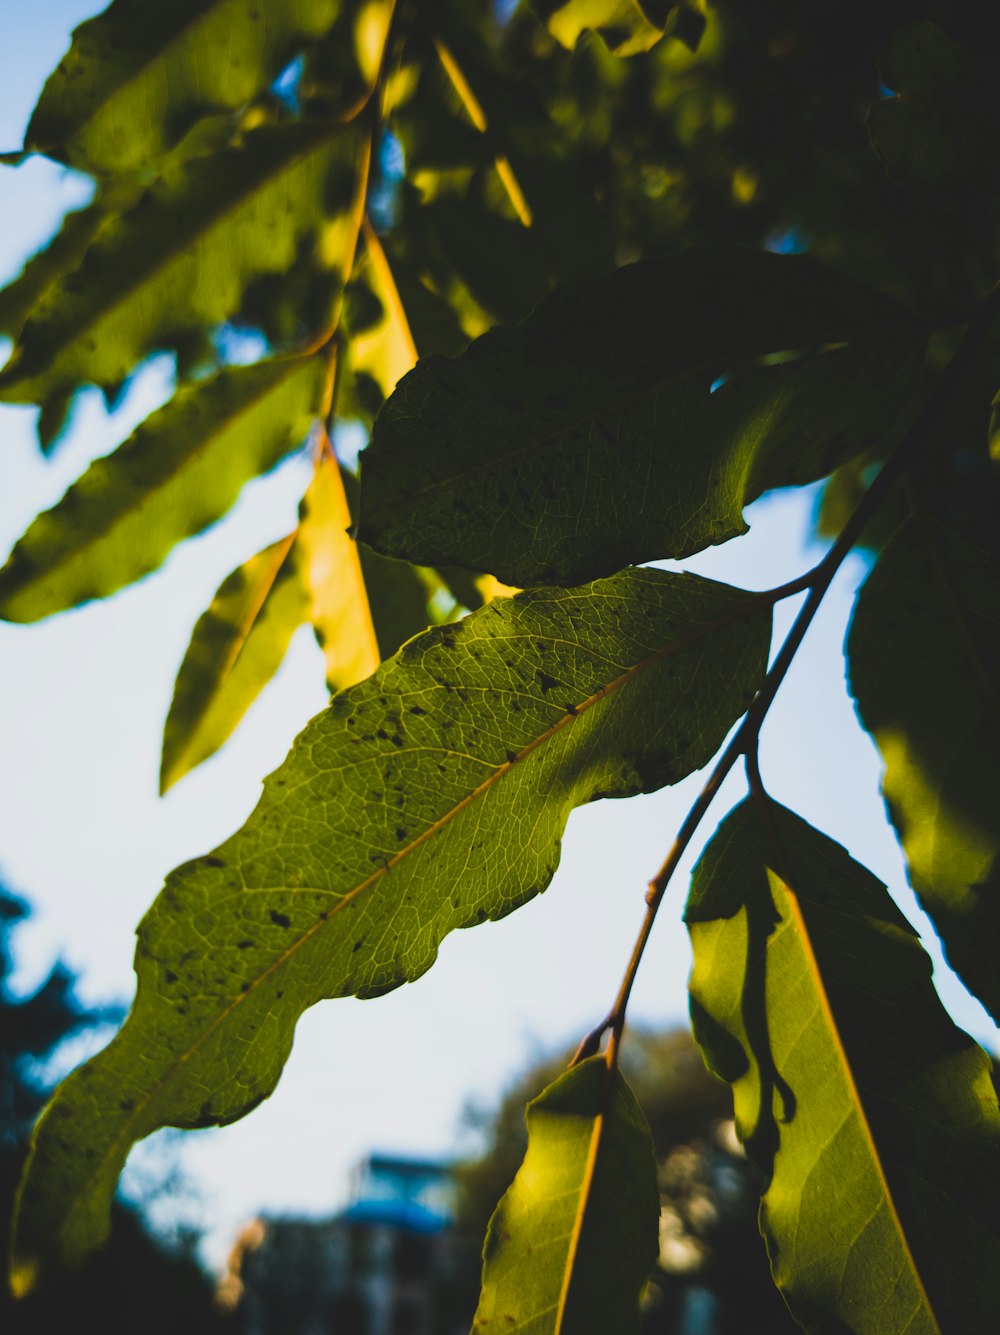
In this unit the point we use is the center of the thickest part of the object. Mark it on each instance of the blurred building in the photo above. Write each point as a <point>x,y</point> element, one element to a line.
<point>386,1265</point>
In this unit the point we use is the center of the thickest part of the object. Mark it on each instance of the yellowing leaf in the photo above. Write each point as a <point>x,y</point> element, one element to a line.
<point>331,574</point>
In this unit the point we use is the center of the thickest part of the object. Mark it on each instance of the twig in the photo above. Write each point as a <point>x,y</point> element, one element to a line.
<point>931,422</point>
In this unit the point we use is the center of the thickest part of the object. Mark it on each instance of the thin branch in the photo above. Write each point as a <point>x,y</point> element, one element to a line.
<point>930,425</point>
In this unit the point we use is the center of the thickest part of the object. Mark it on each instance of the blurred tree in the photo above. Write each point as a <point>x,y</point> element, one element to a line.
<point>137,1284</point>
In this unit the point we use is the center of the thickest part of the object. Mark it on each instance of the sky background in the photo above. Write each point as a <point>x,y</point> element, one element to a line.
<point>85,838</point>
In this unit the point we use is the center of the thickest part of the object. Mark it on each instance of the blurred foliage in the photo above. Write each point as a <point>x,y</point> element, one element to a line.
<point>137,1283</point>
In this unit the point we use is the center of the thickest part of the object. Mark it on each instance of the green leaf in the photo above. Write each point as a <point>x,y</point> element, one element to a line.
<point>236,648</point>
<point>874,1119</point>
<point>627,27</point>
<point>924,654</point>
<point>139,75</point>
<point>63,253</point>
<point>574,1238</point>
<point>589,437</point>
<point>429,797</point>
<point>186,254</point>
<point>180,471</point>
<point>936,133</point>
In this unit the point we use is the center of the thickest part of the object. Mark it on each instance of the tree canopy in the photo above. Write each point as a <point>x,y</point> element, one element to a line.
<point>594,276</point>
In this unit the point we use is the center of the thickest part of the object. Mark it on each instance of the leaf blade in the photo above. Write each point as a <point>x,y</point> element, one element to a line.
<point>178,473</point>
<point>236,647</point>
<point>215,1026</point>
<point>589,437</point>
<point>927,628</point>
<point>178,62</point>
<point>584,1208</point>
<point>873,1118</point>
<point>187,253</point>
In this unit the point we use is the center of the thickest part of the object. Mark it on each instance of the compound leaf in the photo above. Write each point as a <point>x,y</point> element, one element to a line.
<point>174,63</point>
<point>873,1118</point>
<point>431,796</point>
<point>588,437</point>
<point>575,1236</point>
<point>180,471</point>
<point>183,257</point>
<point>924,654</point>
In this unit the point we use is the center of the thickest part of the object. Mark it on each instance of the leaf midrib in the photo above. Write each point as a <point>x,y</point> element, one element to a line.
<point>734,614</point>
<point>854,1094</point>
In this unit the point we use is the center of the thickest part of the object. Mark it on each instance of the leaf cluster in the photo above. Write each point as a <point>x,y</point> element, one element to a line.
<point>549,258</point>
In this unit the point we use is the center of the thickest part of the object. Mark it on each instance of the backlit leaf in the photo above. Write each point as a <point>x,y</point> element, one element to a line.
<point>180,471</point>
<point>236,648</point>
<point>331,572</point>
<point>873,1118</point>
<point>573,1240</point>
<point>589,437</point>
<point>63,252</point>
<point>924,652</point>
<point>431,796</point>
<point>185,255</point>
<point>137,76</point>
<point>627,27</point>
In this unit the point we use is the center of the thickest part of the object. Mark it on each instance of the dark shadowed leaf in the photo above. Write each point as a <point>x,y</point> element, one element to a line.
<point>429,797</point>
<point>236,648</point>
<point>180,471</point>
<point>183,257</point>
<point>137,76</point>
<point>589,437</point>
<point>873,1118</point>
<point>935,133</point>
<point>924,653</point>
<point>573,1240</point>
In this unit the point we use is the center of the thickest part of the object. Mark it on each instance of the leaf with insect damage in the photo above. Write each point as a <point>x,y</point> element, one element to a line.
<point>431,796</point>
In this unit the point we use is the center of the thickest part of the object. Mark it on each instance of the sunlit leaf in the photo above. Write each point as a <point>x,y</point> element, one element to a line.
<point>627,27</point>
<point>573,1240</point>
<point>179,472</point>
<point>137,76</point>
<point>874,1119</point>
<point>236,648</point>
<point>924,653</point>
<point>589,436</point>
<point>331,572</point>
<point>185,255</point>
<point>63,252</point>
<point>429,797</point>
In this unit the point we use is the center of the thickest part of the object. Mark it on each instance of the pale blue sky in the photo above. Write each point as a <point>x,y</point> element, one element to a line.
<point>84,836</point>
